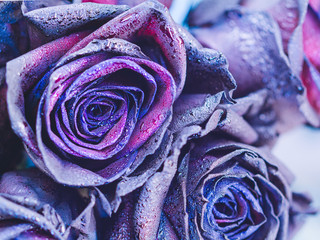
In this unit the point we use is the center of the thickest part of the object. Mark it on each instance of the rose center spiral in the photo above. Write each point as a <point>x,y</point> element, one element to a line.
<point>98,110</point>
<point>225,206</point>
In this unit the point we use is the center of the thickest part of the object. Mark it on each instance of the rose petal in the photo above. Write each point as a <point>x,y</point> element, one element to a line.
<point>205,64</point>
<point>209,11</point>
<point>192,109</point>
<point>21,77</point>
<point>161,29</point>
<point>45,207</point>
<point>311,80</point>
<point>51,23</point>
<point>263,65</point>
<point>149,205</point>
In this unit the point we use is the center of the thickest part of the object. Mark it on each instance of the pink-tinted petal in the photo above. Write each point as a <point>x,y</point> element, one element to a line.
<point>311,66</point>
<point>160,29</point>
<point>311,79</point>
<point>311,38</point>
<point>315,4</point>
<point>22,74</point>
<point>158,111</point>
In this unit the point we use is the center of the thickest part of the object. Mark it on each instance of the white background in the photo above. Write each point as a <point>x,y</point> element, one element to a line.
<point>299,149</point>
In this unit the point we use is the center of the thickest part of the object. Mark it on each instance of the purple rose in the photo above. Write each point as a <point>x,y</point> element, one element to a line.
<point>35,207</point>
<point>86,103</point>
<point>264,51</point>
<point>90,106</point>
<point>299,23</point>
<point>228,190</point>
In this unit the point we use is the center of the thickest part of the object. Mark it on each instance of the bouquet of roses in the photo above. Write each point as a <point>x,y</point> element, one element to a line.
<point>140,128</point>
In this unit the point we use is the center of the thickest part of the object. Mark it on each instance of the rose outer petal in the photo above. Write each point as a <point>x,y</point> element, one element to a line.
<point>47,24</point>
<point>315,4</point>
<point>22,74</point>
<point>311,79</point>
<point>161,29</point>
<point>35,199</point>
<point>267,66</point>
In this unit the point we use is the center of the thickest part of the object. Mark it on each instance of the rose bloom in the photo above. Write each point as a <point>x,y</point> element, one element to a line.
<point>90,106</point>
<point>86,103</point>
<point>228,190</point>
<point>223,188</point>
<point>33,206</point>
<point>262,42</point>
<point>294,17</point>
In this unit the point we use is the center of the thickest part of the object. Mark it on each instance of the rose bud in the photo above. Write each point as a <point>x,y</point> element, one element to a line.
<point>251,41</point>
<point>91,106</point>
<point>227,190</point>
<point>35,207</point>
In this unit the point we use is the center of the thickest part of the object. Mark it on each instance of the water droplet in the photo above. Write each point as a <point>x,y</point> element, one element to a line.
<point>127,18</point>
